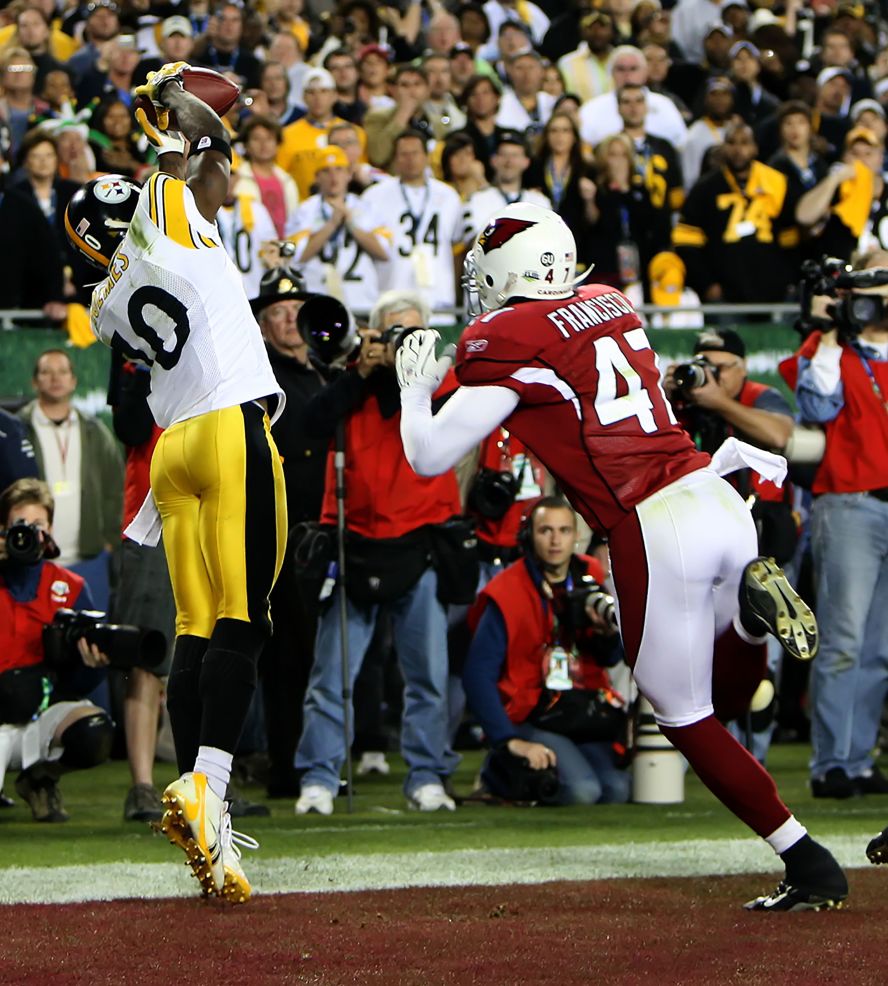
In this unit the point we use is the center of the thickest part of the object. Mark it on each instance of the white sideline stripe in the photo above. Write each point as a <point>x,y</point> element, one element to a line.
<point>465,867</point>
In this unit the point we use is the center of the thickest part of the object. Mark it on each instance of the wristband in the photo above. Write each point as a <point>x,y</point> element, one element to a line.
<point>207,143</point>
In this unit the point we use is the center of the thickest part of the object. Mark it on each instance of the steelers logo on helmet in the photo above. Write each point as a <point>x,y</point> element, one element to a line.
<point>112,190</point>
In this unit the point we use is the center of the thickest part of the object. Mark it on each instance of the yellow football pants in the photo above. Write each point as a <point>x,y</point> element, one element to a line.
<point>219,487</point>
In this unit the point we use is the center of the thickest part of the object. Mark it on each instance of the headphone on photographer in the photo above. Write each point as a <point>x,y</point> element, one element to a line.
<point>525,528</point>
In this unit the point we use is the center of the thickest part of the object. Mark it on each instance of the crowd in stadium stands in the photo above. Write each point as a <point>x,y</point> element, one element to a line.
<point>699,151</point>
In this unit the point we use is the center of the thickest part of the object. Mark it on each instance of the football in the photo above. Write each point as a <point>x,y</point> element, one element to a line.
<point>212,88</point>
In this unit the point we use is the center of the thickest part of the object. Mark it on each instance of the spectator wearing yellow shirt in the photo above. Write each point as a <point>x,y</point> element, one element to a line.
<point>301,139</point>
<point>28,34</point>
<point>288,17</point>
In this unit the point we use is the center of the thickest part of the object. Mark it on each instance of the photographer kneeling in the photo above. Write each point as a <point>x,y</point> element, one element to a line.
<point>535,675</point>
<point>41,734</point>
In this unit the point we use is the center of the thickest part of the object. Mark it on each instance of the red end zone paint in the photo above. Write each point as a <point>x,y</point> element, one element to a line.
<point>654,932</point>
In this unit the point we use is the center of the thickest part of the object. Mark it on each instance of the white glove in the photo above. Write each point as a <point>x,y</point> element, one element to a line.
<point>417,363</point>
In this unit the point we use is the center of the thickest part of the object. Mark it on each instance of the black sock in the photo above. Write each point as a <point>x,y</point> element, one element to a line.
<point>183,698</point>
<point>227,683</point>
<point>812,866</point>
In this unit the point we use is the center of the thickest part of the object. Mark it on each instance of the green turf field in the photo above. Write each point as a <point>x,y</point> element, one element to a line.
<point>381,822</point>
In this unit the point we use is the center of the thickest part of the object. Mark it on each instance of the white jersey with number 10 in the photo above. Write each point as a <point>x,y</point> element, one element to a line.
<point>174,300</point>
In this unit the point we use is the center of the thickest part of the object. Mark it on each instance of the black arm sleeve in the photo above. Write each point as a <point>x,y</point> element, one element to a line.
<point>328,406</point>
<point>128,396</point>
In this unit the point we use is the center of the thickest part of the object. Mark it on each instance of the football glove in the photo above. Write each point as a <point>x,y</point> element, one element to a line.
<point>152,88</point>
<point>417,362</point>
<point>163,141</point>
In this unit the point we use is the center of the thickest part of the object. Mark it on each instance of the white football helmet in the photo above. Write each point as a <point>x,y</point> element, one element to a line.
<point>524,251</point>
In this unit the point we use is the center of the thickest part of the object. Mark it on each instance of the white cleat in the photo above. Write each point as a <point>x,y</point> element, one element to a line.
<point>192,820</point>
<point>373,763</point>
<point>316,798</point>
<point>430,797</point>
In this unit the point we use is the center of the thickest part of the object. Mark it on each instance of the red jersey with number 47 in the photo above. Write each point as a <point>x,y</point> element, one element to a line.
<point>591,406</point>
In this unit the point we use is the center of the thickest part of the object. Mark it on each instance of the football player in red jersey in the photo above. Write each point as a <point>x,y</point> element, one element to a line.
<point>569,370</point>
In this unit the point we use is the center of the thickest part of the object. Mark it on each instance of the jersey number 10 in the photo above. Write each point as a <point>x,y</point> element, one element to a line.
<point>163,301</point>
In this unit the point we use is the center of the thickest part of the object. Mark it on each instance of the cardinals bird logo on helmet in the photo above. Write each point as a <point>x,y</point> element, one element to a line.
<point>500,231</point>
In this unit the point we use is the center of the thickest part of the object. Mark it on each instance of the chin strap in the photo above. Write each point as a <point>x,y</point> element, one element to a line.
<point>581,278</point>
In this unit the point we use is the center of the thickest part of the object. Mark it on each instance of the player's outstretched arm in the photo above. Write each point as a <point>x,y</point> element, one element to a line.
<point>435,443</point>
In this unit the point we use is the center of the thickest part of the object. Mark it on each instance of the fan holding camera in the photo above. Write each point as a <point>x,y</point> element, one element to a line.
<point>41,733</point>
<point>535,676</point>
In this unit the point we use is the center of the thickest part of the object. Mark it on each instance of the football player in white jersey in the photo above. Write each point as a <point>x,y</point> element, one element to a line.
<point>173,299</point>
<point>427,225</point>
<point>244,225</point>
<point>337,238</point>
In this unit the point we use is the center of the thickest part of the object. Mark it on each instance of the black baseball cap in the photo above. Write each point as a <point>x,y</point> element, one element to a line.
<point>726,340</point>
<point>511,137</point>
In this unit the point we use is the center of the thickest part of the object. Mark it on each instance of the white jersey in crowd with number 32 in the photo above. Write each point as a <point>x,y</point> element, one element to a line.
<point>174,300</point>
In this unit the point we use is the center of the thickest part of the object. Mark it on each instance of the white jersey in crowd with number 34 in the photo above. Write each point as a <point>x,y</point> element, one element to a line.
<point>174,300</point>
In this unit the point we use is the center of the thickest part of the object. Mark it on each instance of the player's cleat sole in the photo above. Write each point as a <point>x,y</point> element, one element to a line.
<point>186,825</point>
<point>769,604</point>
<point>789,898</point>
<point>877,850</point>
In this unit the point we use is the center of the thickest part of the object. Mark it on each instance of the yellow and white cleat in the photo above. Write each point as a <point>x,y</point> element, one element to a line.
<point>192,820</point>
<point>236,888</point>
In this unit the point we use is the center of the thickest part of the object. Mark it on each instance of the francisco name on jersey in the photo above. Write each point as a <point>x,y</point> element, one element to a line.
<point>591,406</point>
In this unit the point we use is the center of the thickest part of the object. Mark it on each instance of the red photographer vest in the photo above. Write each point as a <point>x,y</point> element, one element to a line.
<point>856,456</point>
<point>21,624</point>
<point>529,631</point>
<point>384,497</point>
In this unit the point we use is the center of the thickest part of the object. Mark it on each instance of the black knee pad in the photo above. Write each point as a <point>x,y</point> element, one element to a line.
<point>87,742</point>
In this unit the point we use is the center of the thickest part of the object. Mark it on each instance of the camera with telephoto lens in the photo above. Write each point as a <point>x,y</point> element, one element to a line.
<point>513,779</point>
<point>851,313</point>
<point>126,646</point>
<point>24,543</point>
<point>692,375</point>
<point>590,594</point>
<point>27,544</point>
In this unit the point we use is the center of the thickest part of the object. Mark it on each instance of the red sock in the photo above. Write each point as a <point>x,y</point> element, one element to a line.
<point>737,670</point>
<point>733,774</point>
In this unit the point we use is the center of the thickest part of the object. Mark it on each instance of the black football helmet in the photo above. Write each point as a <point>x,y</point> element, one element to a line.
<point>99,215</point>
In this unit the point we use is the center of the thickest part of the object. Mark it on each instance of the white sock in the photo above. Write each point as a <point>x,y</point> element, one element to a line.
<point>216,764</point>
<point>787,835</point>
